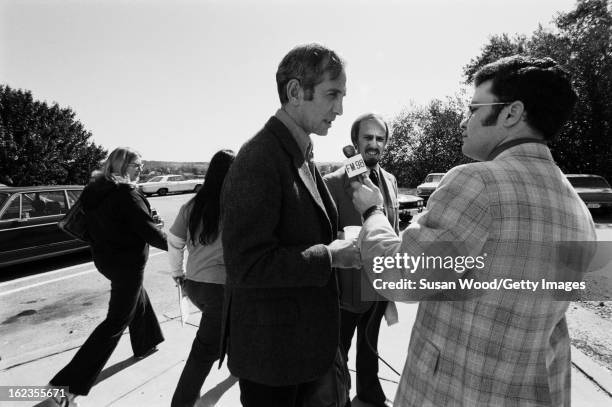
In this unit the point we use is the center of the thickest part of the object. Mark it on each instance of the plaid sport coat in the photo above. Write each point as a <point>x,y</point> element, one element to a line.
<point>499,349</point>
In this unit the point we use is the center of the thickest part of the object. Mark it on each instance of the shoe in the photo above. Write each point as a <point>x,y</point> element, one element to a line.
<point>147,353</point>
<point>362,402</point>
<point>66,400</point>
<point>63,401</point>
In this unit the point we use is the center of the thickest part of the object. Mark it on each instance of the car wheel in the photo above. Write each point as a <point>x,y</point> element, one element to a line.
<point>162,191</point>
<point>197,188</point>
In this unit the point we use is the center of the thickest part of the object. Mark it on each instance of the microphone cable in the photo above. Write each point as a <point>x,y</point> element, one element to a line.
<point>367,337</point>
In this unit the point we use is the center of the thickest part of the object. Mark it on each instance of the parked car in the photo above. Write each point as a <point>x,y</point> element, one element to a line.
<point>429,185</point>
<point>164,184</point>
<point>28,222</point>
<point>409,205</point>
<point>593,189</point>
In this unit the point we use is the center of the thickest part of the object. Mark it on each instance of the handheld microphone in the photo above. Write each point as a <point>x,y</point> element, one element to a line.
<point>355,165</point>
<point>349,151</point>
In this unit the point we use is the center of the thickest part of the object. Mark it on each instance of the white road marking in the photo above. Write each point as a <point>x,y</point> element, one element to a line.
<point>56,279</point>
<point>49,274</point>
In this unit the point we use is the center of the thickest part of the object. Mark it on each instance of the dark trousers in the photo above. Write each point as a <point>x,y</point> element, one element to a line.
<point>368,385</point>
<point>129,305</point>
<point>329,390</point>
<point>208,298</point>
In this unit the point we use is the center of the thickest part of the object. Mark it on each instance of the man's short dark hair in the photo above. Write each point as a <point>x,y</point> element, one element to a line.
<point>540,83</point>
<point>367,116</point>
<point>308,64</point>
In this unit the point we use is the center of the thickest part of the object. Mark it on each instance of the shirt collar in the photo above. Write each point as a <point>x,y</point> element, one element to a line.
<point>299,135</point>
<point>509,144</point>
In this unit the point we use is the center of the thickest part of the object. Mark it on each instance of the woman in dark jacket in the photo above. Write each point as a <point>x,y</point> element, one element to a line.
<point>121,229</point>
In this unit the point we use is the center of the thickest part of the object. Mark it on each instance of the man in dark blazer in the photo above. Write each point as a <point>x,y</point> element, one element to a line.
<point>281,312</point>
<point>360,308</point>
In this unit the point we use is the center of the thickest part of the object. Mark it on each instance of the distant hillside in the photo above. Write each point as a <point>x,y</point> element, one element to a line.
<point>325,167</point>
<point>200,168</point>
<point>175,166</point>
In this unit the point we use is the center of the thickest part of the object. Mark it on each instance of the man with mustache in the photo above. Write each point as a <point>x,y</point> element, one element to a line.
<point>281,313</point>
<point>364,310</point>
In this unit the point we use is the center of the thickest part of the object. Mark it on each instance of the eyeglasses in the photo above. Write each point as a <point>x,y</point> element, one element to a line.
<point>472,107</point>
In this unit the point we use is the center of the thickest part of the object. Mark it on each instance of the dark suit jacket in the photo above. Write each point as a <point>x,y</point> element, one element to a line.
<point>281,307</point>
<point>351,280</point>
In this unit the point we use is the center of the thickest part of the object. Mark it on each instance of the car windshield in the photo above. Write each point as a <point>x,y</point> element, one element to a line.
<point>3,198</point>
<point>434,178</point>
<point>155,179</point>
<point>588,182</point>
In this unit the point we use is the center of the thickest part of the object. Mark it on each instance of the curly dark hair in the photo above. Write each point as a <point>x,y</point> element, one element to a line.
<point>541,84</point>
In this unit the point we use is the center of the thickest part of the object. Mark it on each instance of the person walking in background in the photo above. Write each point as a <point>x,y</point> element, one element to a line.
<point>120,228</point>
<point>281,313</point>
<point>197,227</point>
<point>359,308</point>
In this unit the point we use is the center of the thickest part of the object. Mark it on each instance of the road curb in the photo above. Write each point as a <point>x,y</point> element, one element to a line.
<point>597,373</point>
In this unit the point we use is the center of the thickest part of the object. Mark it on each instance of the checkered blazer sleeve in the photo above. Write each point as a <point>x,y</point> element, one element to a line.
<point>456,223</point>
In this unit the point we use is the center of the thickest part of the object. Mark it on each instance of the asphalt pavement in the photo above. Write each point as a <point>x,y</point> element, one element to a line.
<point>151,381</point>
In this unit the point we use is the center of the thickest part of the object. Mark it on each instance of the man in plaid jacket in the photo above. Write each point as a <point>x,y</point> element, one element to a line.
<point>514,208</point>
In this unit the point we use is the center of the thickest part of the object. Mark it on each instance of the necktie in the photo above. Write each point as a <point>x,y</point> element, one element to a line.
<point>310,160</point>
<point>374,177</point>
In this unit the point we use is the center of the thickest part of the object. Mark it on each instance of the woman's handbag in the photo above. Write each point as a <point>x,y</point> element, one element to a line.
<point>74,222</point>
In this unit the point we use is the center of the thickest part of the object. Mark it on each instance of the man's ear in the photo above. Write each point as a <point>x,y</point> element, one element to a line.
<point>294,92</point>
<point>515,112</point>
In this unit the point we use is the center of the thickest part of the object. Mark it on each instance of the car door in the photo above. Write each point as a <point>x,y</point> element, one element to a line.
<point>28,226</point>
<point>174,184</point>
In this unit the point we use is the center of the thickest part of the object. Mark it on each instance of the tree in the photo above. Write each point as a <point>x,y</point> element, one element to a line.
<point>43,144</point>
<point>582,43</point>
<point>425,139</point>
<point>499,46</point>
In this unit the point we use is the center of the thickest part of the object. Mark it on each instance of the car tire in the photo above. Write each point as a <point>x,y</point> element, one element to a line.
<point>197,188</point>
<point>162,191</point>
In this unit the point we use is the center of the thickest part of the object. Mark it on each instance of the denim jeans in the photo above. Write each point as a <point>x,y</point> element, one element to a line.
<point>208,297</point>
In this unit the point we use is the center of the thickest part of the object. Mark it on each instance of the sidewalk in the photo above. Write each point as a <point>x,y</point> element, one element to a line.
<point>151,381</point>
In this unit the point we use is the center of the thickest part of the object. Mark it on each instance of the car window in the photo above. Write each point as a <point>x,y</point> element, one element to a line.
<point>3,198</point>
<point>73,195</point>
<point>12,211</point>
<point>433,178</point>
<point>155,179</point>
<point>175,178</point>
<point>44,203</point>
<point>588,182</point>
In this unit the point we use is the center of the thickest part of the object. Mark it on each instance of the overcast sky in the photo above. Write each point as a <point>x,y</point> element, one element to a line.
<point>179,80</point>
